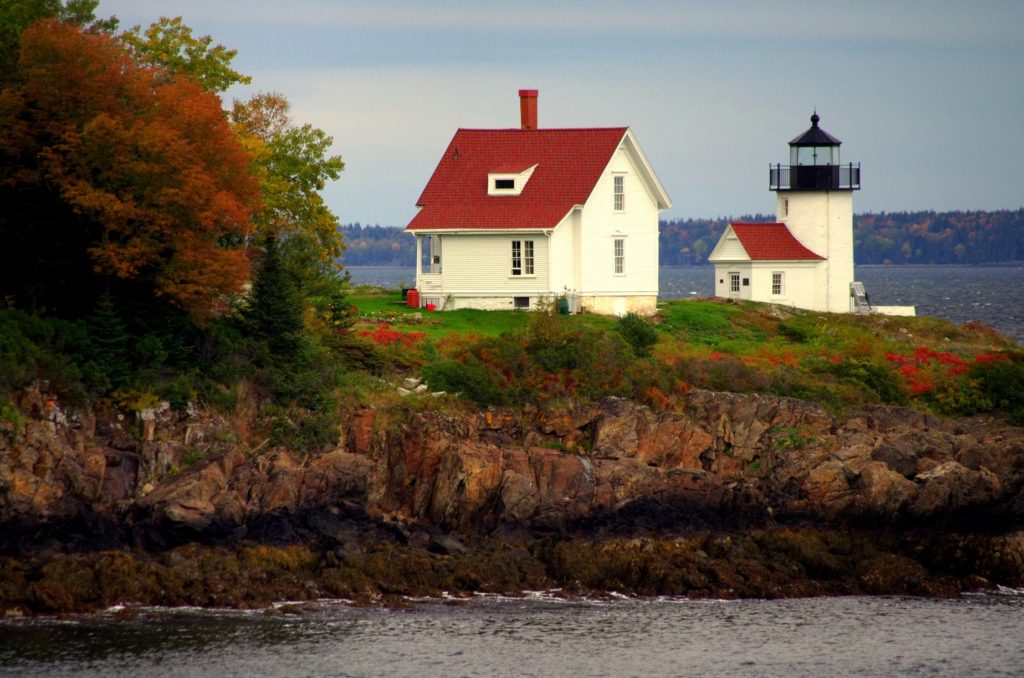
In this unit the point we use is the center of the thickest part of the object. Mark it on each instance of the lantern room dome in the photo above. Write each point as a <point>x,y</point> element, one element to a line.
<point>814,147</point>
<point>815,136</point>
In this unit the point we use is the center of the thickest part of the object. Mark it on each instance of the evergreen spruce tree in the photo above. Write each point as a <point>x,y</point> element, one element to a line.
<point>109,339</point>
<point>275,311</point>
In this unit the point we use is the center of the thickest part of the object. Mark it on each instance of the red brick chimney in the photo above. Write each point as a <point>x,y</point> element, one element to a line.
<point>528,108</point>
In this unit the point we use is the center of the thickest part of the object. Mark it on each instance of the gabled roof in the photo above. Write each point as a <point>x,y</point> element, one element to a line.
<point>770,242</point>
<point>568,163</point>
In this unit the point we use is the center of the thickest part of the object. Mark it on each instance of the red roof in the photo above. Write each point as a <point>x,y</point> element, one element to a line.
<point>569,163</point>
<point>771,242</point>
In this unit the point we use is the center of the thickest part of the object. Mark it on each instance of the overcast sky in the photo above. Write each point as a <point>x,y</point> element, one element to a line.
<point>927,95</point>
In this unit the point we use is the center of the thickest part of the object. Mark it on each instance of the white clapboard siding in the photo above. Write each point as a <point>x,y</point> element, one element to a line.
<point>476,263</point>
<point>636,225</point>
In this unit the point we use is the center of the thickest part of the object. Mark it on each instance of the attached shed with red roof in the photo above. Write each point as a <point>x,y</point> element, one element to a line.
<point>765,262</point>
<point>514,216</point>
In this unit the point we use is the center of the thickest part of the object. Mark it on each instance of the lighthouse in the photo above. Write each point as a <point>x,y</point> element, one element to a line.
<point>804,258</point>
<point>814,199</point>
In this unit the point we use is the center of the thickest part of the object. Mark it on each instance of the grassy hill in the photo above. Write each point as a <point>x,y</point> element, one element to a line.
<point>840,361</point>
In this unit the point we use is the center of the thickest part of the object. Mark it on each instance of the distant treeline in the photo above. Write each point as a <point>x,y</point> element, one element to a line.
<point>883,238</point>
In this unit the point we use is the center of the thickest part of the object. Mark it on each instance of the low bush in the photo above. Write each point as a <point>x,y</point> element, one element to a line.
<point>638,333</point>
<point>1000,378</point>
<point>879,380</point>
<point>471,378</point>
<point>33,348</point>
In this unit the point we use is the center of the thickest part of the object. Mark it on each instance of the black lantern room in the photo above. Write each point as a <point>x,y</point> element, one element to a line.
<point>814,164</point>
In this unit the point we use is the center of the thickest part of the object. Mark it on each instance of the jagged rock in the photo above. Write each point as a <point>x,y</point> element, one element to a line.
<point>900,458</point>
<point>446,544</point>
<point>890,573</point>
<point>724,456</point>
<point>883,491</point>
<point>612,488</point>
<point>950,487</point>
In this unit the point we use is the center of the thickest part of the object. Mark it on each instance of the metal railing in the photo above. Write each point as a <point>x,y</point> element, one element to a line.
<point>814,177</point>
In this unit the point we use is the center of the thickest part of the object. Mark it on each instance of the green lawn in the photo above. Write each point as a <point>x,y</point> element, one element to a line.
<point>739,329</point>
<point>387,306</point>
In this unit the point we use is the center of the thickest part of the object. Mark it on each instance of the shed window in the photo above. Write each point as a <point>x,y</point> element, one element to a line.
<point>734,282</point>
<point>777,283</point>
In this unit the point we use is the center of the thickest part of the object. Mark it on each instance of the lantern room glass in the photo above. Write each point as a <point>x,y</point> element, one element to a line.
<point>814,155</point>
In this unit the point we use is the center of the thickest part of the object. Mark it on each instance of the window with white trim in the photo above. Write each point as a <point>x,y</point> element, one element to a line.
<point>734,282</point>
<point>620,256</point>
<point>777,282</point>
<point>620,192</point>
<point>522,257</point>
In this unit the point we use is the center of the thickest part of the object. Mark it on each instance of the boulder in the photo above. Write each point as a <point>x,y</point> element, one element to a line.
<point>883,491</point>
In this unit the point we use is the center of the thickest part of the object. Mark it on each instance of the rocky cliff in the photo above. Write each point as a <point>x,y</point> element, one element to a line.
<point>609,473</point>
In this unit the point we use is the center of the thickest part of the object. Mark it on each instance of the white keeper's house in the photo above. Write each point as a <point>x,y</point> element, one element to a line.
<point>805,258</point>
<point>513,217</point>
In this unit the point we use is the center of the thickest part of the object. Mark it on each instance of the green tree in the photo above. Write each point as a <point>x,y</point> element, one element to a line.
<point>274,314</point>
<point>294,165</point>
<point>169,43</point>
<point>700,250</point>
<point>109,340</point>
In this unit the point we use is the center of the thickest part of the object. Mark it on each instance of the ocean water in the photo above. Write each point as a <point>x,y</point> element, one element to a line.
<point>539,635</point>
<point>991,295</point>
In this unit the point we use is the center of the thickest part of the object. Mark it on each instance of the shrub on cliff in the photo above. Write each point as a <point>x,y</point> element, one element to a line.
<point>638,333</point>
<point>471,378</point>
<point>879,380</point>
<point>1001,379</point>
<point>39,348</point>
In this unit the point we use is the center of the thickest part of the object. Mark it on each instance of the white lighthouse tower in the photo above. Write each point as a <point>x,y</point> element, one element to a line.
<point>805,258</point>
<point>814,199</point>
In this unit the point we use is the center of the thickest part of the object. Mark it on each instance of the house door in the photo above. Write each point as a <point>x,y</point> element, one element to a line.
<point>734,285</point>
<point>435,254</point>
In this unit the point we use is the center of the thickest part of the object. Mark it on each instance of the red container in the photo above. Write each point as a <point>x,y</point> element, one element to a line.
<point>412,299</point>
<point>431,307</point>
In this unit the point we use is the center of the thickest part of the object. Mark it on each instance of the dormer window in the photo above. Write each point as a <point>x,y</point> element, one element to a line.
<point>508,181</point>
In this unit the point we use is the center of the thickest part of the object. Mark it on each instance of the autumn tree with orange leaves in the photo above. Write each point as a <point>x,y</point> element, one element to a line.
<point>133,209</point>
<point>112,173</point>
